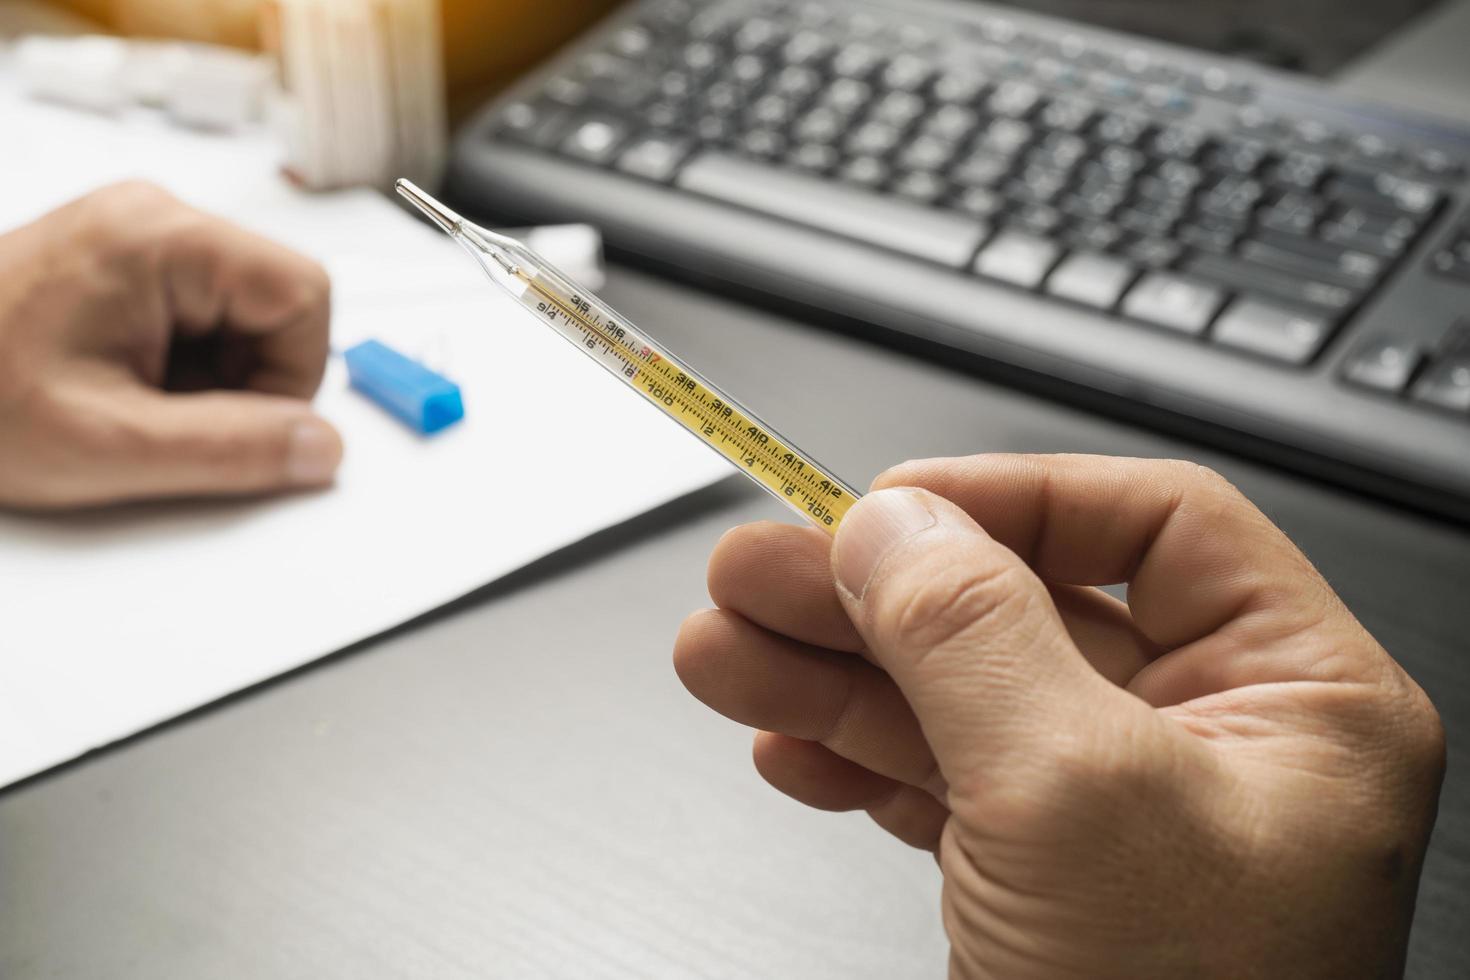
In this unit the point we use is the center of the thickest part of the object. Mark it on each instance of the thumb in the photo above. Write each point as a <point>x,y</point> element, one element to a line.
<point>965,629</point>
<point>216,443</point>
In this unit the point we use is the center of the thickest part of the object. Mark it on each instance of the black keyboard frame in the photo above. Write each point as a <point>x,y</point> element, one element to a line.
<point>1304,417</point>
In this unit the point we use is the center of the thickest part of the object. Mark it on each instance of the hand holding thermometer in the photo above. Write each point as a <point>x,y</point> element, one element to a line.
<point>683,395</point>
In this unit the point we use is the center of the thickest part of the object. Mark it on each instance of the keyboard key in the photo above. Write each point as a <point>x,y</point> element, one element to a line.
<point>1272,331</point>
<point>848,96</point>
<point>807,49</point>
<point>982,170</point>
<point>774,111</point>
<point>1376,222</point>
<point>701,58</point>
<point>595,139</point>
<point>1232,197</point>
<point>1439,164</point>
<point>1037,185</point>
<point>566,91</point>
<point>1453,258</point>
<point>1018,258</point>
<point>874,139</point>
<point>920,186</point>
<point>817,158</point>
<point>1385,192</point>
<point>1068,114</point>
<point>867,171</point>
<point>1217,239</point>
<point>960,87</point>
<point>1121,162</point>
<point>624,94</point>
<point>1351,236</point>
<point>926,233</point>
<point>1174,302</point>
<point>632,42</point>
<point>1445,385</point>
<point>1182,178</point>
<point>1154,253</point>
<point>1180,141</point>
<point>1251,277</point>
<point>1151,221</point>
<point>665,115</point>
<point>1124,130</point>
<point>898,109</point>
<point>1314,258</point>
<point>1299,171</point>
<point>927,153</point>
<point>979,202</point>
<point>1094,202</point>
<point>1101,236</point>
<point>951,122</point>
<point>763,144</point>
<point>908,73</point>
<point>1384,365</point>
<point>1244,157</point>
<point>797,83</point>
<point>654,157</point>
<point>759,35</point>
<point>539,124</point>
<point>1293,214</point>
<point>819,126</point>
<point>1091,279</point>
<point>1006,137</point>
<point>1060,151</point>
<point>747,72</point>
<point>1016,100</point>
<point>1039,219</point>
<point>857,61</point>
<point>723,98</point>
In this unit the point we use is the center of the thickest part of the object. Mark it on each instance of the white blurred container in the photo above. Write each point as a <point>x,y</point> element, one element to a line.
<point>361,101</point>
<point>200,85</point>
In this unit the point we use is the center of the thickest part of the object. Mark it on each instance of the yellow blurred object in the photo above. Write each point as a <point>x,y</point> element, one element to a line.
<point>488,42</point>
<point>220,21</point>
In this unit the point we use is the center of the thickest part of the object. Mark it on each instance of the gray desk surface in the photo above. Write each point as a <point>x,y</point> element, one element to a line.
<point>518,786</point>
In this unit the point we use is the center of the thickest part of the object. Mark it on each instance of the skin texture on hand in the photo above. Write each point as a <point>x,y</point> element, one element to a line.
<point>150,350</point>
<point>1224,777</point>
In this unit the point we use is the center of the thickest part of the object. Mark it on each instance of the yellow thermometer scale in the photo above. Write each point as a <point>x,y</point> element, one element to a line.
<point>715,418</point>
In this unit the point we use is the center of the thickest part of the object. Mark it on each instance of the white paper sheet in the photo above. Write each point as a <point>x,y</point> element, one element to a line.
<point>111,622</point>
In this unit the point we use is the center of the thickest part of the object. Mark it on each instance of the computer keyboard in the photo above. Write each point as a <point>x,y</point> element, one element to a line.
<point>1220,243</point>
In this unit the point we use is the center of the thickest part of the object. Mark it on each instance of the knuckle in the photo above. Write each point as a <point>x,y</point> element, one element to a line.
<point>1427,744</point>
<point>308,292</point>
<point>316,287</point>
<point>125,220</point>
<point>123,204</point>
<point>939,608</point>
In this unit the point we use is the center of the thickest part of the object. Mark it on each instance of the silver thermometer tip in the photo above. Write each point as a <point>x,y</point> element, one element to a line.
<point>436,212</point>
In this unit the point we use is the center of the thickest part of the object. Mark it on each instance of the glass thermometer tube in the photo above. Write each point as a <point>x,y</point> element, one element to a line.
<point>678,391</point>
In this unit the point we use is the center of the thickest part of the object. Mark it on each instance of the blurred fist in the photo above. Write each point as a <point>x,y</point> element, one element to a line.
<point>1224,777</point>
<point>150,350</point>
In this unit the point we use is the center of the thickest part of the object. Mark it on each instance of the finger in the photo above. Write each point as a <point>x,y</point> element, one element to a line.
<point>1104,631</point>
<point>966,630</point>
<point>780,576</point>
<point>814,775</point>
<point>221,277</point>
<point>149,444</point>
<point>771,682</point>
<point>1195,553</point>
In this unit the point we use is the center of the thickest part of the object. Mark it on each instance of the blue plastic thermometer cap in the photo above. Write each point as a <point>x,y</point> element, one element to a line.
<point>422,399</point>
